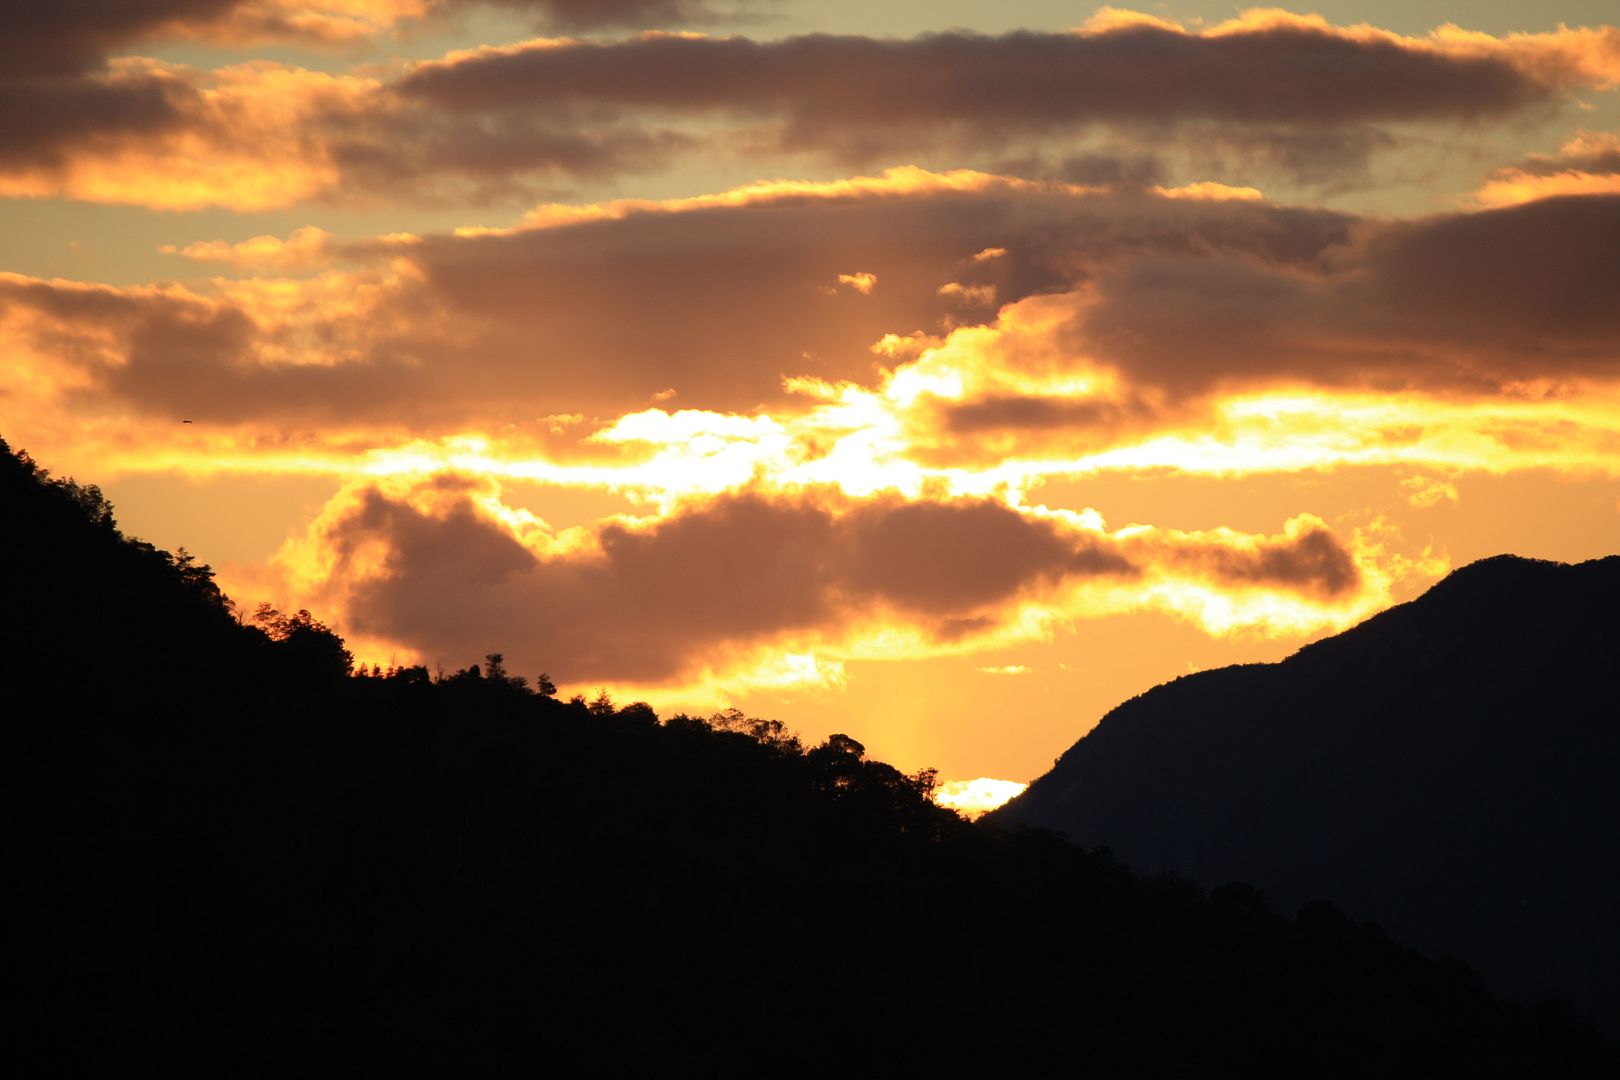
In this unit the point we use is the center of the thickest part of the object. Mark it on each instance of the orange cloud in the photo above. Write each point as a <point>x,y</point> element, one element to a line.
<point>313,21</point>
<point>1568,56</point>
<point>1578,56</point>
<point>249,137</point>
<point>1588,164</point>
<point>1423,492</point>
<point>1134,332</point>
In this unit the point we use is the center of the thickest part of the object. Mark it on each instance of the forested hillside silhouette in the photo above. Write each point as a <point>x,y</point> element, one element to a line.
<point>1449,768</point>
<point>237,856</point>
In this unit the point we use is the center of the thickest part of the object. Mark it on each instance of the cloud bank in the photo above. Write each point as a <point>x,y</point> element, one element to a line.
<point>496,122</point>
<point>719,585</point>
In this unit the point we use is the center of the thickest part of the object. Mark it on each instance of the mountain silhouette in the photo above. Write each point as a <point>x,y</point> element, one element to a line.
<point>236,855</point>
<point>1449,769</point>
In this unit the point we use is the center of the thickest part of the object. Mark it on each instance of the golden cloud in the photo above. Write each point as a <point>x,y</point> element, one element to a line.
<point>860,281</point>
<point>302,248</point>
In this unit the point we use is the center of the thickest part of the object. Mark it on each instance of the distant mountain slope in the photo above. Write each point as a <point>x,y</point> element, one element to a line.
<point>1449,769</point>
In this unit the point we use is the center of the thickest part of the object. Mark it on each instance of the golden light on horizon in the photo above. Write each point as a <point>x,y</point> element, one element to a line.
<point>974,798</point>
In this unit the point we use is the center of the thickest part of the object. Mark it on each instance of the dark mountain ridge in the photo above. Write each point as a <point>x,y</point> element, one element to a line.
<point>1449,768</point>
<point>236,857</point>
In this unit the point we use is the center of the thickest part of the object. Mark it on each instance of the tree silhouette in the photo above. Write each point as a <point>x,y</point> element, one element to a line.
<point>313,646</point>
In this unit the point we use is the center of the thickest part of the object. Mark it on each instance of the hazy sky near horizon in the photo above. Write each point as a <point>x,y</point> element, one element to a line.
<point>939,373</point>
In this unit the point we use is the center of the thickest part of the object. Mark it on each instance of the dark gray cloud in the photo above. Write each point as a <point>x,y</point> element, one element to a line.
<point>423,154</point>
<point>1300,102</point>
<point>66,37</point>
<point>1327,159</point>
<point>1542,277</point>
<point>1133,171</point>
<point>203,363</point>
<point>721,577</point>
<point>1599,156</point>
<point>998,427</point>
<point>733,573</point>
<point>42,120</point>
<point>54,37</point>
<point>62,103</point>
<point>54,91</point>
<point>1313,562</point>
<point>722,303</point>
<point>1477,298</point>
<point>629,14</point>
<point>1324,159</point>
<point>863,96</point>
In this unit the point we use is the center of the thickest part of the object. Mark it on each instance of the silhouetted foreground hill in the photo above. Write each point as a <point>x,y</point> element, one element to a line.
<point>235,858</point>
<point>1449,769</point>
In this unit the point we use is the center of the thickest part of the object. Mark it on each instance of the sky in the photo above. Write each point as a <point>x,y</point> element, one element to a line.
<point>940,373</point>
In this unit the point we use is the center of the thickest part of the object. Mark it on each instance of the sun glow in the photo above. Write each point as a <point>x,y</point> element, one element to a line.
<point>974,798</point>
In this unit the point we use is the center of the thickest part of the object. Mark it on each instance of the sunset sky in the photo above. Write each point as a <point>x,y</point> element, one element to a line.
<point>942,373</point>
